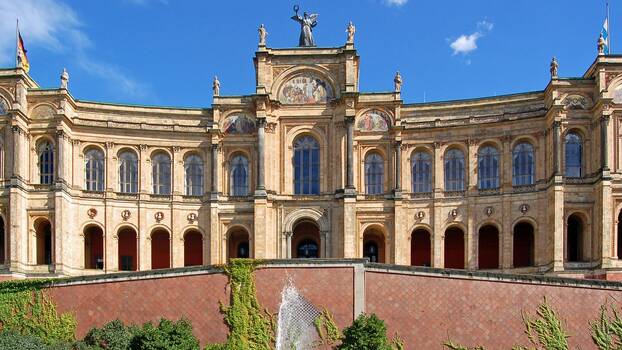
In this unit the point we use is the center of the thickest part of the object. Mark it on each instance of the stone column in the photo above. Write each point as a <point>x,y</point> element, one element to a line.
<point>261,141</point>
<point>288,240</point>
<point>214,173</point>
<point>350,152</point>
<point>60,176</point>
<point>557,152</point>
<point>17,151</point>
<point>604,146</point>
<point>398,166</point>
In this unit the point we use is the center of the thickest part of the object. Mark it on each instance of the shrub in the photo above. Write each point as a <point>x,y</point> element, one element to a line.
<point>166,335</point>
<point>365,333</point>
<point>607,330</point>
<point>12,340</point>
<point>113,335</point>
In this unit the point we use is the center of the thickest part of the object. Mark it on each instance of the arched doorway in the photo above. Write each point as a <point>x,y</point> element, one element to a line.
<point>373,245</point>
<point>93,247</point>
<point>306,240</point>
<point>128,260</point>
<point>43,230</point>
<point>239,244</point>
<point>454,248</point>
<point>574,236</point>
<point>523,245</point>
<point>193,248</point>
<point>421,248</point>
<point>3,243</point>
<point>160,249</point>
<point>488,247</point>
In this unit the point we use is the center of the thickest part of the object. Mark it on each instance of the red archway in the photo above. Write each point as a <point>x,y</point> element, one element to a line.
<point>306,240</point>
<point>373,245</point>
<point>93,247</point>
<point>488,247</point>
<point>193,248</point>
<point>523,245</point>
<point>127,249</point>
<point>43,229</point>
<point>454,248</point>
<point>421,248</point>
<point>160,249</point>
<point>239,244</point>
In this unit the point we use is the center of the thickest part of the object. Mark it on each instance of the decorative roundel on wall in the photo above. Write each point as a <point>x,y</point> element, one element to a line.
<point>238,124</point>
<point>373,120</point>
<point>126,214</point>
<point>91,212</point>
<point>159,216</point>
<point>305,88</point>
<point>192,217</point>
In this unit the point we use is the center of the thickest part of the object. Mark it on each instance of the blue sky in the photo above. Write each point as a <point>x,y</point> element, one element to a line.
<point>166,52</point>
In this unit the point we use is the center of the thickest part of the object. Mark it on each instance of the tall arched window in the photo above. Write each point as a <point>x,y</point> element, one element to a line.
<point>422,172</point>
<point>454,170</point>
<point>523,165</point>
<point>94,170</point>
<point>306,166</point>
<point>488,167</point>
<point>46,163</point>
<point>193,167</point>
<point>161,171</point>
<point>128,172</point>
<point>238,173</point>
<point>574,147</point>
<point>374,173</point>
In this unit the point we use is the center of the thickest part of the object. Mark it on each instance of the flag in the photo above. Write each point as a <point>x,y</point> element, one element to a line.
<point>605,33</point>
<point>21,53</point>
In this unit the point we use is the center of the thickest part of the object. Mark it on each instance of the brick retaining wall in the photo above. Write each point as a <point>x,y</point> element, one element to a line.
<point>425,306</point>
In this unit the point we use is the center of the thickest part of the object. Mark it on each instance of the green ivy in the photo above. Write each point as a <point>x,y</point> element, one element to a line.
<point>327,329</point>
<point>250,327</point>
<point>366,333</point>
<point>26,309</point>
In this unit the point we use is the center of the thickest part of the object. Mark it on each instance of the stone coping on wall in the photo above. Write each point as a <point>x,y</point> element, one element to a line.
<point>337,263</point>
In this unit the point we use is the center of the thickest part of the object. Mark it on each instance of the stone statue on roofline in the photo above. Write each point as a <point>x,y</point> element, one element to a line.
<point>263,33</point>
<point>307,23</point>
<point>554,67</point>
<point>64,79</point>
<point>216,86</point>
<point>398,81</point>
<point>351,30</point>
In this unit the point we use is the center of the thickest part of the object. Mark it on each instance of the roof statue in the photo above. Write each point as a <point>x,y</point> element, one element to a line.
<point>263,33</point>
<point>398,82</point>
<point>554,67</point>
<point>307,22</point>
<point>216,86</point>
<point>64,79</point>
<point>351,30</point>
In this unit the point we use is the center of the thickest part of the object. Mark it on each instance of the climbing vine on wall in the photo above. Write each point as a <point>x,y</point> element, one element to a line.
<point>250,327</point>
<point>25,308</point>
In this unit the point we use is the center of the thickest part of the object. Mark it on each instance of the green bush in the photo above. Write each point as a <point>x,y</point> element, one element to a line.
<point>166,335</point>
<point>365,333</point>
<point>113,335</point>
<point>12,340</point>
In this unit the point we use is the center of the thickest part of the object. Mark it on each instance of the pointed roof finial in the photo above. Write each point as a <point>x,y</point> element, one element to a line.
<point>398,81</point>
<point>216,86</point>
<point>64,79</point>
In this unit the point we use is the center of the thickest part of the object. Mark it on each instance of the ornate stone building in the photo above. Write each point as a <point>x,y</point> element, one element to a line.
<point>309,166</point>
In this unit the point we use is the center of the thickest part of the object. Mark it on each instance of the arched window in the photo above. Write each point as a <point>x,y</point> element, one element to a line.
<point>193,166</point>
<point>574,147</point>
<point>94,170</point>
<point>306,166</point>
<point>488,168</point>
<point>421,172</point>
<point>46,163</point>
<point>374,174</point>
<point>454,170</point>
<point>161,170</point>
<point>238,173</point>
<point>523,164</point>
<point>128,172</point>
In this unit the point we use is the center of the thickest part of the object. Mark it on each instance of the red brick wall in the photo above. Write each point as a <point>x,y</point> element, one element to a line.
<point>425,311</point>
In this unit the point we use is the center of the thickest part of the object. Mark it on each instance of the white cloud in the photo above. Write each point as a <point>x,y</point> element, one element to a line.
<point>396,3</point>
<point>467,43</point>
<point>54,26</point>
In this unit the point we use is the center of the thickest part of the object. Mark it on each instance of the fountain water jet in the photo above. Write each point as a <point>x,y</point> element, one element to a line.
<point>295,325</point>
